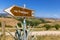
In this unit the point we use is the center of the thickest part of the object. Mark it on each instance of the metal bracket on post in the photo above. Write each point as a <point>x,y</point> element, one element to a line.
<point>24,29</point>
<point>24,26</point>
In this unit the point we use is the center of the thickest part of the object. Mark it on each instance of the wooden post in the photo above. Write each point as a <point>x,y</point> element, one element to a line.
<point>3,30</point>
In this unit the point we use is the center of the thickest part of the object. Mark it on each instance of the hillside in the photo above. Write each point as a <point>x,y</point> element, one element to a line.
<point>35,21</point>
<point>9,21</point>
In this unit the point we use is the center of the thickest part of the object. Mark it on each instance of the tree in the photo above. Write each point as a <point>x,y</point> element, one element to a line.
<point>57,26</point>
<point>32,22</point>
<point>47,26</point>
<point>20,19</point>
<point>42,20</point>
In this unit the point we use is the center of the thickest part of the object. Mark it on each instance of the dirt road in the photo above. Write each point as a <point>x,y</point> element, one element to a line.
<point>38,33</point>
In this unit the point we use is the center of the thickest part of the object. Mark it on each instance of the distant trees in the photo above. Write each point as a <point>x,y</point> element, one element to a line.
<point>56,26</point>
<point>20,19</point>
<point>44,21</point>
<point>32,22</point>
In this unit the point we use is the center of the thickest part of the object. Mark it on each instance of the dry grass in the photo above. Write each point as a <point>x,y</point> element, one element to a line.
<point>9,38</point>
<point>6,37</point>
<point>44,29</point>
<point>37,29</point>
<point>31,29</point>
<point>46,37</point>
<point>9,21</point>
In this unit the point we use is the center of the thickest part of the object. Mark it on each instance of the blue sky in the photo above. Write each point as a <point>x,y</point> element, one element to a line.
<point>43,8</point>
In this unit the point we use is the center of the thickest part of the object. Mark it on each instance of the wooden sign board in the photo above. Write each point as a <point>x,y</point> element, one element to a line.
<point>19,11</point>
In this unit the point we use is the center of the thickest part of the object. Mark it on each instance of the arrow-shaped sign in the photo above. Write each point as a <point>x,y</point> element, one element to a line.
<point>19,11</point>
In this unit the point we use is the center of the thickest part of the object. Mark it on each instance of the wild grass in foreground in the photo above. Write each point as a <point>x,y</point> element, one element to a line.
<point>46,37</point>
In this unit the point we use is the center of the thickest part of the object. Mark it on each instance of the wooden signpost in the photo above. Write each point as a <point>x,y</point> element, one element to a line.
<point>22,12</point>
<point>3,30</point>
<point>19,11</point>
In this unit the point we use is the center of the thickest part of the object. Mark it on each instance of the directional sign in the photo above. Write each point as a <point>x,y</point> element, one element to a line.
<point>19,11</point>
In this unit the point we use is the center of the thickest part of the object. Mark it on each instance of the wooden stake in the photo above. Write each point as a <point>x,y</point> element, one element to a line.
<point>3,30</point>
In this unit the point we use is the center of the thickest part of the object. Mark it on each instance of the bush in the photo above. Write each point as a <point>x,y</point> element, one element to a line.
<point>42,20</point>
<point>32,23</point>
<point>57,26</point>
<point>47,26</point>
<point>20,19</point>
<point>19,24</point>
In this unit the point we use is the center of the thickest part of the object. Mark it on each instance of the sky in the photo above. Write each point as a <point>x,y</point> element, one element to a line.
<point>42,8</point>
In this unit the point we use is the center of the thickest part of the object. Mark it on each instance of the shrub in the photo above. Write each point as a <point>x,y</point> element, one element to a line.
<point>20,19</point>
<point>19,24</point>
<point>47,26</point>
<point>32,22</point>
<point>57,26</point>
<point>42,20</point>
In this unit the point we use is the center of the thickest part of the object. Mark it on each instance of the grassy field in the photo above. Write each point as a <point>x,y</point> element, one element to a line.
<point>7,38</point>
<point>31,29</point>
<point>46,37</point>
